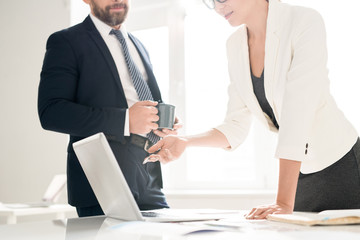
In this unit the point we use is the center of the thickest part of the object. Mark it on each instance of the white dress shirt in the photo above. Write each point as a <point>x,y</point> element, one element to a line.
<point>115,49</point>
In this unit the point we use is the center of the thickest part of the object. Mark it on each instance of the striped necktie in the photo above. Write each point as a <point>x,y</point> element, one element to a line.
<point>141,87</point>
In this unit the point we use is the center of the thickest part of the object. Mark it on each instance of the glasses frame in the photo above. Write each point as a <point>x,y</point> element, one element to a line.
<point>212,6</point>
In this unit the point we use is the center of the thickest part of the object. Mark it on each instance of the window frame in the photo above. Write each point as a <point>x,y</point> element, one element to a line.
<point>172,14</point>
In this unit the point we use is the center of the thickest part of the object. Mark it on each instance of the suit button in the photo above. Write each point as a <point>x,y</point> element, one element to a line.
<point>306,151</point>
<point>307,145</point>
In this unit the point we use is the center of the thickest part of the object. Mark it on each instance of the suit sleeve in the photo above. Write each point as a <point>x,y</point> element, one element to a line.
<point>57,104</point>
<point>306,85</point>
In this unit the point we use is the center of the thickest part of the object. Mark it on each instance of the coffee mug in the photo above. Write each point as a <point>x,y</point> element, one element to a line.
<point>166,113</point>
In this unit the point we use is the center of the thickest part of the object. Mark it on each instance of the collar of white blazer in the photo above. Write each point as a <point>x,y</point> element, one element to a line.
<point>239,48</point>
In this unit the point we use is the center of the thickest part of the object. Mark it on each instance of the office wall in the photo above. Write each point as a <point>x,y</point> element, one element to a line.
<point>29,155</point>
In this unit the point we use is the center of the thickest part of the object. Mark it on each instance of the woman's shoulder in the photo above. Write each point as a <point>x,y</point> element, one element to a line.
<point>298,16</point>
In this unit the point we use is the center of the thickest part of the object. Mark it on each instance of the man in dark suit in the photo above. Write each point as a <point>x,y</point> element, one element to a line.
<point>87,87</point>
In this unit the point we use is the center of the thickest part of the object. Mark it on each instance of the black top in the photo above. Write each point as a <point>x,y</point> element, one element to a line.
<point>259,90</point>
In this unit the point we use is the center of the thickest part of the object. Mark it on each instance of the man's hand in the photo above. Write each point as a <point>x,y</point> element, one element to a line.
<point>143,117</point>
<point>262,211</point>
<point>171,148</point>
<point>164,132</point>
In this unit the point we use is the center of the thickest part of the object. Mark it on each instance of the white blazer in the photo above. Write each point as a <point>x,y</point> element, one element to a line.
<point>312,128</point>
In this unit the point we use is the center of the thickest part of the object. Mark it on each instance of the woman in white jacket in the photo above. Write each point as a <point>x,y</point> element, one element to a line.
<point>277,64</point>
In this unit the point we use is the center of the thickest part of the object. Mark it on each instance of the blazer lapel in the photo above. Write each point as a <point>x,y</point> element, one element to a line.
<point>99,41</point>
<point>244,75</point>
<point>271,53</point>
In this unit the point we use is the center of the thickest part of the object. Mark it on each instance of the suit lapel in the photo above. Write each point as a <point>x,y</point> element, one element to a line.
<point>99,41</point>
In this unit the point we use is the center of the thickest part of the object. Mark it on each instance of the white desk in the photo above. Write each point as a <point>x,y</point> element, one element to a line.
<point>101,228</point>
<point>57,211</point>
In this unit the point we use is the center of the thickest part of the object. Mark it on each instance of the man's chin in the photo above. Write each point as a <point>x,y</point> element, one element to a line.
<point>117,18</point>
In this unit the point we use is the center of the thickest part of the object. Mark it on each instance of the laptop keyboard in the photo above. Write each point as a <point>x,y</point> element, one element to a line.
<point>157,215</point>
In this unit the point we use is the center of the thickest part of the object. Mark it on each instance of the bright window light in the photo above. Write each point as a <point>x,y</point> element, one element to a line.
<point>252,165</point>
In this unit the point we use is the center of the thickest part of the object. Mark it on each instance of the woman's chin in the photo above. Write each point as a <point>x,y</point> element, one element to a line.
<point>235,24</point>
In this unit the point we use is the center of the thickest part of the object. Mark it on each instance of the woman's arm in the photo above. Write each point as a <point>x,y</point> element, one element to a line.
<point>172,147</point>
<point>212,138</point>
<point>288,178</point>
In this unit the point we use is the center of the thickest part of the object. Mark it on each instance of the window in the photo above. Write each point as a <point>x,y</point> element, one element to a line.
<point>197,85</point>
<point>186,44</point>
<point>158,47</point>
<point>206,81</point>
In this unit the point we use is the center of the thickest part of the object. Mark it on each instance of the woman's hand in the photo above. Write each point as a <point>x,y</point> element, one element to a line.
<point>174,131</point>
<point>170,148</point>
<point>288,178</point>
<point>262,211</point>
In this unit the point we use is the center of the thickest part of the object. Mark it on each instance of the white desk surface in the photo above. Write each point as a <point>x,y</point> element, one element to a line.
<point>102,228</point>
<point>59,210</point>
<point>5,211</point>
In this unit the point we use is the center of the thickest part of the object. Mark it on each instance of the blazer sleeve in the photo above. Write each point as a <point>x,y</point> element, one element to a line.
<point>237,120</point>
<point>238,117</point>
<point>306,85</point>
<point>57,104</point>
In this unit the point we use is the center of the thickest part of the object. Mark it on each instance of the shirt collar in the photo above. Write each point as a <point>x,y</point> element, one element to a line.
<point>105,29</point>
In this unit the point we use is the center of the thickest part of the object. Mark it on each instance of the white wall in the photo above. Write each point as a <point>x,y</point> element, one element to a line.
<point>29,155</point>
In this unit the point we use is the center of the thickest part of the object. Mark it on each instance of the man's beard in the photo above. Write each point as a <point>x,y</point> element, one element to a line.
<point>113,19</point>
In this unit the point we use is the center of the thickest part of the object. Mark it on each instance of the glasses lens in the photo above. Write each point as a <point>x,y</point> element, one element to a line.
<point>209,3</point>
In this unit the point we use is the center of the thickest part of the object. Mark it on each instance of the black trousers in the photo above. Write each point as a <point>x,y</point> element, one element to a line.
<point>89,211</point>
<point>335,187</point>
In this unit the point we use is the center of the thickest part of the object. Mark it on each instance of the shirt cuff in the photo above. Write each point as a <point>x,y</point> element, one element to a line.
<point>127,124</point>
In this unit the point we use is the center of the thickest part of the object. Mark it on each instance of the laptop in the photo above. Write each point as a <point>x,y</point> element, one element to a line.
<point>113,193</point>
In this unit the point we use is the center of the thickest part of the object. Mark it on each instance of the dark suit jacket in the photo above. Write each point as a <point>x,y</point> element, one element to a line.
<point>80,94</point>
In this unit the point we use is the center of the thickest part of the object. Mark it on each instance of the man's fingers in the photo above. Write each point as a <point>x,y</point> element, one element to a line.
<point>147,103</point>
<point>154,118</point>
<point>154,110</point>
<point>159,133</point>
<point>153,126</point>
<point>156,147</point>
<point>152,158</point>
<point>168,131</point>
<point>177,125</point>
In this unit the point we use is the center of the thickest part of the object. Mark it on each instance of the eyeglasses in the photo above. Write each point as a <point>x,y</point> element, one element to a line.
<point>211,3</point>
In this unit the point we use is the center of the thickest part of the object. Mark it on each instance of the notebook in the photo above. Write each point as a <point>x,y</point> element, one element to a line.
<point>113,193</point>
<point>328,217</point>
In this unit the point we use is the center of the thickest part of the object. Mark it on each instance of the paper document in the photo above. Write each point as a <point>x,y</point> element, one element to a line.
<point>117,229</point>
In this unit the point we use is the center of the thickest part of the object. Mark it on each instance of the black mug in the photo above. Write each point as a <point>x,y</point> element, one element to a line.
<point>166,113</point>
